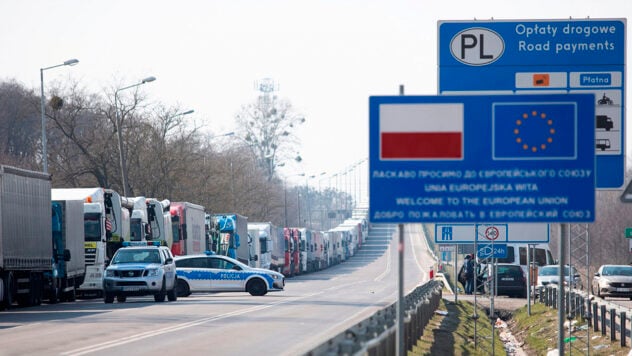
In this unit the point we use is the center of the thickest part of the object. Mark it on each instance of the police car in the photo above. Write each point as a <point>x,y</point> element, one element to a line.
<point>217,273</point>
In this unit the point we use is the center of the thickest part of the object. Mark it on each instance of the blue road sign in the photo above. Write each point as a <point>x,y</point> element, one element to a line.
<point>460,234</point>
<point>448,158</point>
<point>491,251</point>
<point>545,56</point>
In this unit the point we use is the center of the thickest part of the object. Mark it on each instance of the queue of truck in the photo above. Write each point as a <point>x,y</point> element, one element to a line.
<point>59,250</point>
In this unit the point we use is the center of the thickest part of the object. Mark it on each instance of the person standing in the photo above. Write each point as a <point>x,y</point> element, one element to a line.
<point>469,274</point>
<point>461,276</point>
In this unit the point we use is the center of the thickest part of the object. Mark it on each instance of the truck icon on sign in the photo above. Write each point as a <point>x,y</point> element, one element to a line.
<point>604,122</point>
<point>602,144</point>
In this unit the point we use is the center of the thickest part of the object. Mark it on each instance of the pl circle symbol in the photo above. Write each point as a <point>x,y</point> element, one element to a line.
<point>492,233</point>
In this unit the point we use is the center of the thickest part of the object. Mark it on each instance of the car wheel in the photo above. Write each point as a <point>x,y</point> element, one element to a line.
<point>160,296</point>
<point>108,298</point>
<point>256,287</point>
<point>182,288</point>
<point>121,298</point>
<point>172,295</point>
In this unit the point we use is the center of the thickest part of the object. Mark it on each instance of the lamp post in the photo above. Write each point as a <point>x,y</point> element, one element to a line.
<point>119,134</point>
<point>309,203</point>
<point>285,198</point>
<point>70,62</point>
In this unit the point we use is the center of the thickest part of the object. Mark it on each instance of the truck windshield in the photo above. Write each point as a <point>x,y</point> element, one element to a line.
<point>175,227</point>
<point>92,226</point>
<point>263,243</point>
<point>136,230</point>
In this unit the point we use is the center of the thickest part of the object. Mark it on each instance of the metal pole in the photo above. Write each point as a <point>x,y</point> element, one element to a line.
<point>44,152</point>
<point>119,135</point>
<point>529,251</point>
<point>475,316</point>
<point>456,273</point>
<point>70,62</point>
<point>560,290</point>
<point>491,303</point>
<point>298,203</point>
<point>400,296</point>
<point>285,201</point>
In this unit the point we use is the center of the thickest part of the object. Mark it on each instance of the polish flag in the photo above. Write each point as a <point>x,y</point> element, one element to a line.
<point>431,131</point>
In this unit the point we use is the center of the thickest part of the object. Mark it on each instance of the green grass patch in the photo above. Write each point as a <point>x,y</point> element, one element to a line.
<point>457,333</point>
<point>539,331</point>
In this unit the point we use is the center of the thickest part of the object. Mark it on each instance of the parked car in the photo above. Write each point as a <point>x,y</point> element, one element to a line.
<point>510,281</point>
<point>550,275</point>
<point>613,281</point>
<point>219,273</point>
<point>138,271</point>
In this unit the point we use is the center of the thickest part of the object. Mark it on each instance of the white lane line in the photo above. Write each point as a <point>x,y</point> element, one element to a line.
<point>412,244</point>
<point>152,333</point>
<point>388,265</point>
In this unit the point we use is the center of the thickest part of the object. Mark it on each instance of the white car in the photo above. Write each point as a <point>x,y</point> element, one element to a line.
<point>550,275</point>
<point>140,270</point>
<point>219,273</point>
<point>613,281</point>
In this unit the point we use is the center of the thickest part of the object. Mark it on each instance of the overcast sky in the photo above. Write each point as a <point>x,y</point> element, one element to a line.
<point>326,56</point>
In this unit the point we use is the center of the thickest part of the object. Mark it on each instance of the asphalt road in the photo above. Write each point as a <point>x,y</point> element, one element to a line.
<point>311,309</point>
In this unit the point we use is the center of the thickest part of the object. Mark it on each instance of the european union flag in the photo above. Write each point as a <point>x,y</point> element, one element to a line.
<point>534,131</point>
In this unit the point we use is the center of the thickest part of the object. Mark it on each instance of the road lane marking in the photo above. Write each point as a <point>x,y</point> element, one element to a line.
<point>152,333</point>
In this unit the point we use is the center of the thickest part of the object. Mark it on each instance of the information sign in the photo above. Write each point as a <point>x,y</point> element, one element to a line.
<point>507,233</point>
<point>486,251</point>
<point>475,159</point>
<point>545,56</point>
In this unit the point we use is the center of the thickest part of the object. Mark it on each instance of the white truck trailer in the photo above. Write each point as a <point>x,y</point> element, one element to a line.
<point>26,248</point>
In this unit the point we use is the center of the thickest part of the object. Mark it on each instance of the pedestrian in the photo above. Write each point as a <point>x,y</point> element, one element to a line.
<point>469,274</point>
<point>461,276</point>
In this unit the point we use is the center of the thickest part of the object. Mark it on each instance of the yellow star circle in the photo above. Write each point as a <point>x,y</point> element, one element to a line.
<point>524,120</point>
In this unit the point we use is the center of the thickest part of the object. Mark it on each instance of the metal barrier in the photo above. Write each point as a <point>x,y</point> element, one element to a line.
<point>377,335</point>
<point>608,318</point>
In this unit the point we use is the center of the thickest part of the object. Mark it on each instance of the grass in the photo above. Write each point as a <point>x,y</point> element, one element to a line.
<point>540,333</point>
<point>457,333</point>
<point>453,333</point>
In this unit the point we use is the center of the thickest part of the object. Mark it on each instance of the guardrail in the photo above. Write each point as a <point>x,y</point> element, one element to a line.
<point>377,335</point>
<point>610,319</point>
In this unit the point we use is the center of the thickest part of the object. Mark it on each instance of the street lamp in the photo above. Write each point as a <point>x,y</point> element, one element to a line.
<point>70,62</point>
<point>183,113</point>
<point>120,134</point>
<point>309,204</point>
<point>285,198</point>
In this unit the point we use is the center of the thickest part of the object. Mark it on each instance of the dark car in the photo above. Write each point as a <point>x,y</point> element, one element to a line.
<point>510,281</point>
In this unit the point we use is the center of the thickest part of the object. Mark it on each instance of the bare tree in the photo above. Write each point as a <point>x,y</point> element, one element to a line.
<point>80,139</point>
<point>269,125</point>
<point>19,126</point>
